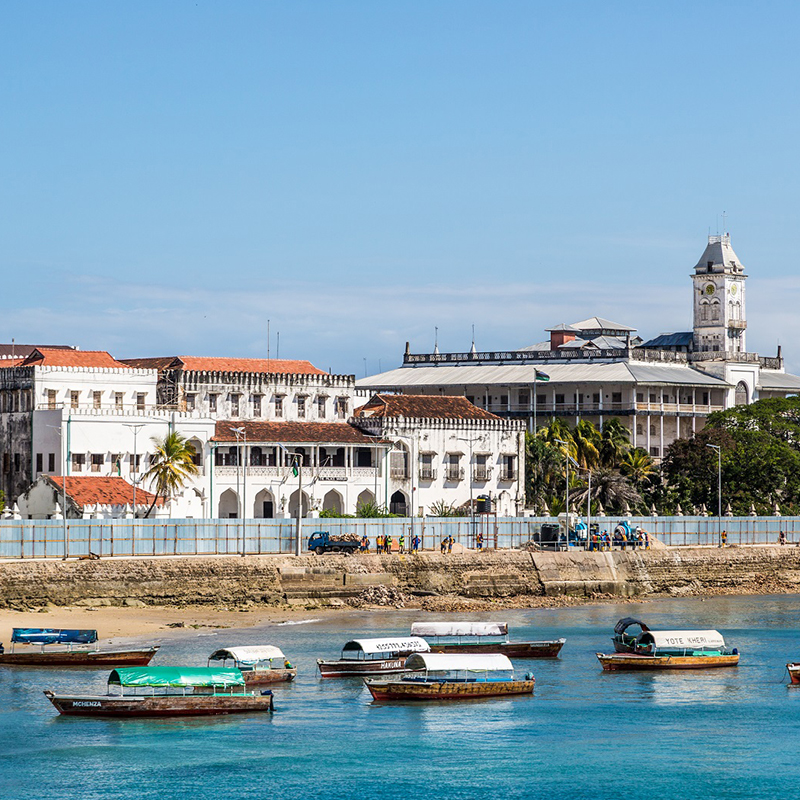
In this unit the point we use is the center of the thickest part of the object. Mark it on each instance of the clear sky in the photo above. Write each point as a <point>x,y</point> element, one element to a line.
<point>174,174</point>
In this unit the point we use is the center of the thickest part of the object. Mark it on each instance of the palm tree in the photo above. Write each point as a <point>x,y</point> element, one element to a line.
<point>638,465</point>
<point>587,444</point>
<point>172,464</point>
<point>612,490</point>
<point>614,443</point>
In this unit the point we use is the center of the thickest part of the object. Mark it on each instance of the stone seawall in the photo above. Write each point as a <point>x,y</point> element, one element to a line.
<point>282,580</point>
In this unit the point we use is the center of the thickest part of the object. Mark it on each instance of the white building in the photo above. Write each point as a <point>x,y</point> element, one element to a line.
<point>85,414</point>
<point>663,389</point>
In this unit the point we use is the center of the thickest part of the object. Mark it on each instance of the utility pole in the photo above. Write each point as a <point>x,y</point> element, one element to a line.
<point>718,448</point>
<point>135,426</point>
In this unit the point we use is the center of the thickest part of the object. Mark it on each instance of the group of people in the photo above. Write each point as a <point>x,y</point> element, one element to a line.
<point>384,544</point>
<point>635,538</point>
<point>446,545</point>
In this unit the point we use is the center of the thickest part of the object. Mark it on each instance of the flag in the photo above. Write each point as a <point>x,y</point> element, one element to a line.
<point>541,376</point>
<point>294,469</point>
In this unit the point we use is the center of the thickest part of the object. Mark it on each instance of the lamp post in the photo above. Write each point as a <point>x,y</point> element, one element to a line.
<point>718,448</point>
<point>135,426</point>
<point>470,441</point>
<point>568,459</point>
<point>242,499</point>
<point>57,429</point>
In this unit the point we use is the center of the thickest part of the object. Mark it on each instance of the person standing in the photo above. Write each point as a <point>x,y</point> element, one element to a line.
<point>781,537</point>
<point>402,543</point>
<point>388,540</point>
<point>450,544</point>
<point>723,539</point>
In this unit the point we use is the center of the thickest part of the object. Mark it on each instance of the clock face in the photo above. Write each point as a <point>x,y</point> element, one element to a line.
<point>734,288</point>
<point>710,289</point>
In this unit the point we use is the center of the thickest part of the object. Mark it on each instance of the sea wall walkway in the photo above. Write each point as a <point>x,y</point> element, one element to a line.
<point>276,580</point>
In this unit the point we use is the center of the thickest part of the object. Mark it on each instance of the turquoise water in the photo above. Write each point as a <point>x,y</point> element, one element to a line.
<point>730,733</point>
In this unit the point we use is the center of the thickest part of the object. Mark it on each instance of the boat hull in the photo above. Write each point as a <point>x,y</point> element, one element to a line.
<point>510,649</point>
<point>346,668</point>
<point>445,690</point>
<point>794,673</point>
<point>629,661</point>
<point>79,658</point>
<point>260,677</point>
<point>159,705</point>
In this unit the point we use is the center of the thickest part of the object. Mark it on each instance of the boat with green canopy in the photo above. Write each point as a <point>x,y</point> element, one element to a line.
<point>166,692</point>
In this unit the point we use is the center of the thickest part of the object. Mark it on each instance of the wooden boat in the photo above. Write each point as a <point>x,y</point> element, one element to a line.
<point>690,660</point>
<point>256,663</point>
<point>794,673</point>
<point>667,649</point>
<point>481,637</point>
<point>167,692</point>
<point>441,676</point>
<point>40,647</point>
<point>372,657</point>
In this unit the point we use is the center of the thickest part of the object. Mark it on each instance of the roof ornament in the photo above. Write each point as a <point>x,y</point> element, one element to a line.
<point>472,350</point>
<point>436,341</point>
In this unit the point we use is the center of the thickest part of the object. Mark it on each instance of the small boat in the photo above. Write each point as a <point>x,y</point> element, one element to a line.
<point>671,650</point>
<point>255,663</point>
<point>625,642</point>
<point>481,637</point>
<point>73,652</point>
<point>372,657</point>
<point>794,672</point>
<point>441,676</point>
<point>166,692</point>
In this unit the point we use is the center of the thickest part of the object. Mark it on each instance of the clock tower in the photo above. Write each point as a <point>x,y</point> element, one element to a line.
<point>719,318</point>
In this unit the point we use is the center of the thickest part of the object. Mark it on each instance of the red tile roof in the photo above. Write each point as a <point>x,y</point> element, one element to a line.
<point>10,362</point>
<point>52,357</point>
<point>87,490</point>
<point>421,406</point>
<point>273,366</point>
<point>311,432</point>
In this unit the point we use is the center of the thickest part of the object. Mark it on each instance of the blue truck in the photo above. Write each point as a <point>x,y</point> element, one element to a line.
<point>322,542</point>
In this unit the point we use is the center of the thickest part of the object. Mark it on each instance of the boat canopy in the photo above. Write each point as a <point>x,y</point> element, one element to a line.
<point>52,636</point>
<point>372,646</point>
<point>626,622</point>
<point>248,655</point>
<point>175,676</point>
<point>444,662</point>
<point>467,628</point>
<point>682,639</point>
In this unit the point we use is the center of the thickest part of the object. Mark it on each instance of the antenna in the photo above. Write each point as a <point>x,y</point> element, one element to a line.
<point>473,333</point>
<point>436,338</point>
<point>724,217</point>
<point>267,344</point>
<point>278,347</point>
<point>365,367</point>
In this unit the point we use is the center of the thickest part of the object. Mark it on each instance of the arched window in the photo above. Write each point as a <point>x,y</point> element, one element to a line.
<point>742,394</point>
<point>704,312</point>
<point>398,504</point>
<point>715,310</point>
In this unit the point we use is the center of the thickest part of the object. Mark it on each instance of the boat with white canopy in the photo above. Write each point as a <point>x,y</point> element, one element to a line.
<point>671,650</point>
<point>372,657</point>
<point>257,663</point>
<point>166,692</point>
<point>63,647</point>
<point>441,676</point>
<point>469,636</point>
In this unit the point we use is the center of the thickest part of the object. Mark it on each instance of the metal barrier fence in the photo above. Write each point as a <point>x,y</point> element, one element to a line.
<point>179,537</point>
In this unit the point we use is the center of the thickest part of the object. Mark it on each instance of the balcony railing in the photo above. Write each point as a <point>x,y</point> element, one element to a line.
<point>454,473</point>
<point>399,473</point>
<point>325,473</point>
<point>674,408</point>
<point>482,473</point>
<point>427,473</point>
<point>507,474</point>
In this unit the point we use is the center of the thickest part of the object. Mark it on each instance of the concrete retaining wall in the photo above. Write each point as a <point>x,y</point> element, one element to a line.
<point>277,580</point>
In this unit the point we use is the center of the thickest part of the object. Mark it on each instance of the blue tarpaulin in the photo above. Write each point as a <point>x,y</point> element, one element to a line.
<point>52,636</point>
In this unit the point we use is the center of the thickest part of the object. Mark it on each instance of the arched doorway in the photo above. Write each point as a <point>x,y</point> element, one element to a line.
<point>264,505</point>
<point>197,447</point>
<point>293,505</point>
<point>398,504</point>
<point>228,504</point>
<point>332,502</point>
<point>366,498</point>
<point>742,394</point>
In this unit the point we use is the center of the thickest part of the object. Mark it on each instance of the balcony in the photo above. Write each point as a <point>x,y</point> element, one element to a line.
<point>483,473</point>
<point>454,473</point>
<point>427,473</point>
<point>677,408</point>
<point>740,324</point>
<point>508,474</point>
<point>320,473</point>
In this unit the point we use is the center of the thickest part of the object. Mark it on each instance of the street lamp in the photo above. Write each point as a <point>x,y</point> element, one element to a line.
<point>242,498</point>
<point>471,440</point>
<point>568,459</point>
<point>298,459</point>
<point>135,426</point>
<point>719,488</point>
<point>57,429</point>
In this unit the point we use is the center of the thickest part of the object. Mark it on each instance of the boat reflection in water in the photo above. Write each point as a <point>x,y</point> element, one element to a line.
<point>441,676</point>
<point>166,692</point>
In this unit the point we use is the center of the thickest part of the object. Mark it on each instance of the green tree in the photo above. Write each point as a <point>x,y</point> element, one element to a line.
<point>171,467</point>
<point>615,442</point>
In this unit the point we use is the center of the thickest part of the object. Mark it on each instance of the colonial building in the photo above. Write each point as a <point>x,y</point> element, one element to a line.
<point>663,389</point>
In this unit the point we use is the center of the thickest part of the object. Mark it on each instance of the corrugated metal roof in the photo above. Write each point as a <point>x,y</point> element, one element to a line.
<point>508,374</point>
<point>778,380</point>
<point>682,339</point>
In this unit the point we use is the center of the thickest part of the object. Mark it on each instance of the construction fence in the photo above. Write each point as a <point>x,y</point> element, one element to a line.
<point>189,537</point>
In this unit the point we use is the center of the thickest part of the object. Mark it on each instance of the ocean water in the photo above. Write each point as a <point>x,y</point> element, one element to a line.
<point>731,733</point>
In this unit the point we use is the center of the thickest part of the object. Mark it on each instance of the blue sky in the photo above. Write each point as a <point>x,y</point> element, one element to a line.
<point>175,174</point>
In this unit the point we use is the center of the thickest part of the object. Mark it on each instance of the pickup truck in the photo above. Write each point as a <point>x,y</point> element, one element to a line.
<point>322,542</point>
